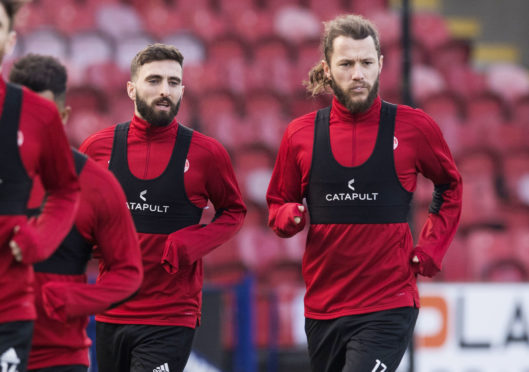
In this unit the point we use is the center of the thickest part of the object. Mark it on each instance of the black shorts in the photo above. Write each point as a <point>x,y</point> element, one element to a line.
<point>66,368</point>
<point>142,348</point>
<point>15,343</point>
<point>373,342</point>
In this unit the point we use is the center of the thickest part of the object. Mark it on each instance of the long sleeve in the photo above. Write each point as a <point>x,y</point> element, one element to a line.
<point>187,245</point>
<point>105,220</point>
<point>286,189</point>
<point>41,236</point>
<point>435,162</point>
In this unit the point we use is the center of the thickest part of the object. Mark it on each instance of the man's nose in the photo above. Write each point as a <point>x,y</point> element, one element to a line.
<point>164,88</point>
<point>357,73</point>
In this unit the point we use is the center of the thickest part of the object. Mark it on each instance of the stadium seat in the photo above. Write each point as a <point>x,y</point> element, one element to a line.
<point>515,169</point>
<point>160,19</point>
<point>202,20</point>
<point>479,169</point>
<point>296,24</point>
<point>106,76</point>
<point>90,48</point>
<point>430,29</point>
<point>455,266</point>
<point>47,41</point>
<point>308,55</point>
<point>265,117</point>
<point>271,66</point>
<point>69,16</point>
<point>128,46</point>
<point>30,17</point>
<point>192,47</point>
<point>219,114</point>
<point>119,20</point>
<point>326,10</point>
<point>253,164</point>
<point>485,247</point>
<point>368,7</point>
<point>510,81</point>
<point>426,81</point>
<point>228,63</point>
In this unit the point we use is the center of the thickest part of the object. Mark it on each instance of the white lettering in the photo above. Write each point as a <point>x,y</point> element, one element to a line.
<point>351,196</point>
<point>155,208</point>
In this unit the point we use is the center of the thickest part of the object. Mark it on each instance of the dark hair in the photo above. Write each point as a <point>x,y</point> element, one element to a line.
<point>351,25</point>
<point>40,73</point>
<point>154,52</point>
<point>12,7</point>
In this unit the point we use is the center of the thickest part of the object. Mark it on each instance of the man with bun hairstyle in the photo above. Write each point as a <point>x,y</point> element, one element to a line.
<point>356,163</point>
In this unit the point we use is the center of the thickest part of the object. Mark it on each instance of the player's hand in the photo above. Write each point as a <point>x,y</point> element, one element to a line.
<point>297,219</point>
<point>15,248</point>
<point>423,264</point>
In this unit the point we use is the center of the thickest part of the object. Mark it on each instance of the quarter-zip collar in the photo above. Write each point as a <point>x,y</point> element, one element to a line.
<point>145,130</point>
<point>341,114</point>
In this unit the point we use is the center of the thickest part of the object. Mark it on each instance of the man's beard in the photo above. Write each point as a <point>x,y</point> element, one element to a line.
<point>355,106</point>
<point>154,117</point>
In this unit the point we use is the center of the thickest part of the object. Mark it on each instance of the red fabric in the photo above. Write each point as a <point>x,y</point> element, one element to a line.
<point>353,269</point>
<point>64,302</point>
<point>44,151</point>
<point>171,290</point>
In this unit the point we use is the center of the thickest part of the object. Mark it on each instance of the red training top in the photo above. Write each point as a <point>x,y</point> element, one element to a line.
<point>65,301</point>
<point>44,151</point>
<point>172,287</point>
<point>360,268</point>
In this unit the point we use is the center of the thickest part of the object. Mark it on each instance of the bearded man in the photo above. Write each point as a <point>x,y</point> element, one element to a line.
<point>169,173</point>
<point>356,163</point>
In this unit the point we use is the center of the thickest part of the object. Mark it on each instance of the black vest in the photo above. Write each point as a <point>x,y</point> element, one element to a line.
<point>15,183</point>
<point>74,252</point>
<point>159,205</point>
<point>370,193</point>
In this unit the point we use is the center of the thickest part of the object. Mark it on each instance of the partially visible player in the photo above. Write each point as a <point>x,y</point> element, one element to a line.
<point>32,142</point>
<point>64,299</point>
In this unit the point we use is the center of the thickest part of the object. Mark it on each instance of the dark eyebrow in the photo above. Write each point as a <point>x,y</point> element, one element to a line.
<point>155,76</point>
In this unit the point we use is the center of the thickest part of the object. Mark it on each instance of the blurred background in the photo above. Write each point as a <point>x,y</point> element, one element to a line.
<point>244,63</point>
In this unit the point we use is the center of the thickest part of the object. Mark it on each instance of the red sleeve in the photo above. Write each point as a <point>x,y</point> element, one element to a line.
<point>110,226</point>
<point>435,162</point>
<point>290,178</point>
<point>187,245</point>
<point>46,143</point>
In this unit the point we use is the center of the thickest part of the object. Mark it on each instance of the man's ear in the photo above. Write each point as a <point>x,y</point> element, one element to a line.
<point>131,90</point>
<point>65,114</point>
<point>326,69</point>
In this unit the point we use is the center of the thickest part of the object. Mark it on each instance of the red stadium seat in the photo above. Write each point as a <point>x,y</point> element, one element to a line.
<point>220,117</point>
<point>47,41</point>
<point>272,66</point>
<point>265,117</point>
<point>486,246</point>
<point>118,19</point>
<point>479,170</point>
<point>228,57</point>
<point>515,166</point>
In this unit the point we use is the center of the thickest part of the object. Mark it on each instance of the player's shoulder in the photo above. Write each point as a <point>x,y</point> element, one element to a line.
<point>301,124</point>
<point>206,144</point>
<point>101,137</point>
<point>416,120</point>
